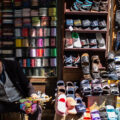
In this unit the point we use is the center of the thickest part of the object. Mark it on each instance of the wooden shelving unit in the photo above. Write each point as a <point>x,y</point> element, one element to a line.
<point>92,15</point>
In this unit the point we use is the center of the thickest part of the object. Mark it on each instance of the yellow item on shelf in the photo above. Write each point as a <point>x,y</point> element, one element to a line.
<point>18,43</point>
<point>113,81</point>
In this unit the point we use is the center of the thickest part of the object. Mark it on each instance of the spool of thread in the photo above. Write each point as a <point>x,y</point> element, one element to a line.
<point>53,62</point>
<point>53,23</point>
<point>45,62</point>
<point>40,32</point>
<point>17,32</point>
<point>53,42</point>
<point>37,62</point>
<point>46,52</point>
<point>32,52</point>
<point>29,72</point>
<point>43,11</point>
<point>46,32</point>
<point>53,52</point>
<point>18,43</point>
<point>28,62</point>
<point>44,21</point>
<point>21,62</point>
<point>42,71</point>
<point>18,52</point>
<point>40,52</point>
<point>25,43</point>
<point>24,71</point>
<point>32,62</point>
<point>32,43</point>
<point>33,32</point>
<point>24,62</point>
<point>36,72</point>
<point>53,32</point>
<point>46,42</point>
<point>40,42</point>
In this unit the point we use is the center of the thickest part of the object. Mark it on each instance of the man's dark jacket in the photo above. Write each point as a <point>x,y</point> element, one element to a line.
<point>18,78</point>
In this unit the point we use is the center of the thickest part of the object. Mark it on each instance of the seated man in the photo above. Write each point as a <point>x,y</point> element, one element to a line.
<point>14,86</point>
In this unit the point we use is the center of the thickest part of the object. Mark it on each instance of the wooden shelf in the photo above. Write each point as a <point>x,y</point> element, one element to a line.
<point>68,12</point>
<point>36,77</point>
<point>85,49</point>
<point>71,67</point>
<point>86,31</point>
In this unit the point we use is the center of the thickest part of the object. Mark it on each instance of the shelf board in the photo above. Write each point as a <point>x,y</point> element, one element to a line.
<point>41,77</point>
<point>86,31</point>
<point>84,49</point>
<point>85,12</point>
<point>71,67</point>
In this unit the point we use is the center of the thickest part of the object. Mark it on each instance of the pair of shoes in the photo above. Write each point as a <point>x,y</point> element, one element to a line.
<point>72,61</point>
<point>72,40</point>
<point>100,5</point>
<point>80,5</point>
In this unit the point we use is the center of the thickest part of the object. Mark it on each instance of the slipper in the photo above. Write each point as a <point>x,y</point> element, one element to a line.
<point>61,104</point>
<point>71,103</point>
<point>106,88</point>
<point>60,83</point>
<point>87,115</point>
<point>80,107</point>
<point>70,92</point>
<point>95,115</point>
<point>103,113</point>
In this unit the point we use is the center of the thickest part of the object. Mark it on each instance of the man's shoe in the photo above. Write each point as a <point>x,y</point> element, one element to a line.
<point>68,40</point>
<point>102,25</point>
<point>95,24</point>
<point>85,59</point>
<point>77,23</point>
<point>69,22</point>
<point>76,61</point>
<point>86,23</point>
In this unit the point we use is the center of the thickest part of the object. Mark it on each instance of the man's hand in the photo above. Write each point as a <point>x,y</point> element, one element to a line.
<point>34,96</point>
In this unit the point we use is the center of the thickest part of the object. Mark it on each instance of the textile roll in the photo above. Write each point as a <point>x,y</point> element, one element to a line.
<point>24,62</point>
<point>53,52</point>
<point>46,52</point>
<point>40,42</point>
<point>40,52</point>
<point>18,52</point>
<point>45,62</point>
<point>53,62</point>
<point>32,62</point>
<point>37,62</point>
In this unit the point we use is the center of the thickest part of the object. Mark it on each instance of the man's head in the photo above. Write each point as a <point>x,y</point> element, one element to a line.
<point>1,67</point>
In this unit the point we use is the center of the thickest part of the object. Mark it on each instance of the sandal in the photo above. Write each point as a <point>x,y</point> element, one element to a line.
<point>114,89</point>
<point>80,107</point>
<point>85,87</point>
<point>106,88</point>
<point>95,115</point>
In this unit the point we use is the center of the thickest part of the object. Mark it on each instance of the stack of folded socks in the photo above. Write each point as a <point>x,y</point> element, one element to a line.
<point>18,2</point>
<point>34,12</point>
<point>18,13</point>
<point>26,12</point>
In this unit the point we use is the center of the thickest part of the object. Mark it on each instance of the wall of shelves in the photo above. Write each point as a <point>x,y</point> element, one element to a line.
<point>28,31</point>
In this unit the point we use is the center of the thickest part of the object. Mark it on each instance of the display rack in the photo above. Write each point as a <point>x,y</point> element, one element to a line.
<point>33,36</point>
<point>91,15</point>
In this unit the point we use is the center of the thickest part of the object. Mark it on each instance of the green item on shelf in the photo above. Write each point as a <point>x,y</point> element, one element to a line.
<point>42,72</point>
<point>75,35</point>
<point>53,52</point>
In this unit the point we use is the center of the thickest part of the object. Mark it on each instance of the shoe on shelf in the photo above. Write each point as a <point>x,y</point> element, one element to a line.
<point>86,69</point>
<point>96,5</point>
<point>111,66</point>
<point>86,24</point>
<point>68,40</point>
<point>76,40</point>
<point>101,41</point>
<point>68,61</point>
<point>77,24</point>
<point>102,25</point>
<point>84,42</point>
<point>76,61</point>
<point>76,5</point>
<point>104,5</point>
<point>110,56</point>
<point>69,22</point>
<point>87,77</point>
<point>96,75</point>
<point>94,25</point>
<point>85,59</point>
